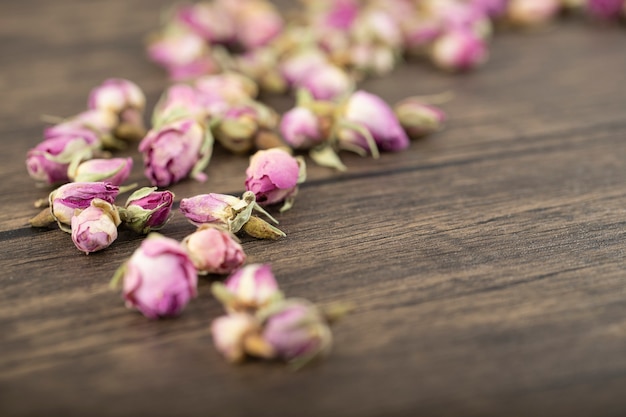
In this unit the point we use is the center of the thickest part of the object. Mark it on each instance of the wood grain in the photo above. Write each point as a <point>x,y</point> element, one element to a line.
<point>487,261</point>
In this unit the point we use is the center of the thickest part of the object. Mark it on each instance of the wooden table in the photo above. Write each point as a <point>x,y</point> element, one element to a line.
<point>487,262</point>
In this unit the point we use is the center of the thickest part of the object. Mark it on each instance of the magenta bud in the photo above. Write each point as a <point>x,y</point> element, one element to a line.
<point>214,250</point>
<point>419,119</point>
<point>114,171</point>
<point>366,113</point>
<point>273,176</point>
<point>301,128</point>
<point>159,279</point>
<point>147,210</point>
<point>176,150</point>
<point>67,199</point>
<point>95,228</point>
<point>63,144</point>
<point>459,50</point>
<point>208,208</point>
<point>296,330</point>
<point>605,9</point>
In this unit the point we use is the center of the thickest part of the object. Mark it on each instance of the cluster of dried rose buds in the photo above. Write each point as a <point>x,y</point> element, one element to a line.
<point>261,323</point>
<point>87,210</point>
<point>70,147</point>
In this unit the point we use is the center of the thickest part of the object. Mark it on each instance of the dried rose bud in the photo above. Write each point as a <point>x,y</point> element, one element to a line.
<point>101,121</point>
<point>491,8</point>
<point>177,102</point>
<point>338,14</point>
<point>327,82</point>
<point>459,50</point>
<point>63,144</point>
<point>237,128</point>
<point>605,9</point>
<point>95,228</point>
<point>176,150</point>
<point>234,334</point>
<point>231,212</point>
<point>465,17</point>
<point>184,55</point>
<point>250,288</point>
<point>228,87</point>
<point>159,279</point>
<point>125,99</point>
<point>372,59</point>
<point>257,22</point>
<point>67,199</point>
<point>261,65</point>
<point>114,171</point>
<point>273,176</point>
<point>369,124</point>
<point>208,20</point>
<point>208,208</point>
<point>532,12</point>
<point>296,330</point>
<point>214,250</point>
<point>301,128</point>
<point>301,64</point>
<point>377,26</point>
<point>147,209</point>
<point>419,119</point>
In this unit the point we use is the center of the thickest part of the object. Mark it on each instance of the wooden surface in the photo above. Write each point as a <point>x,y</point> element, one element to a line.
<point>487,262</point>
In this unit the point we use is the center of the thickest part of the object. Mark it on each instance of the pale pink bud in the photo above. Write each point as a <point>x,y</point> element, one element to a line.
<point>296,329</point>
<point>159,278</point>
<point>229,87</point>
<point>273,176</point>
<point>175,150</point>
<point>299,66</point>
<point>184,55</point>
<point>258,23</point>
<point>147,209</point>
<point>179,101</point>
<point>532,12</point>
<point>301,129</point>
<point>95,228</point>
<point>116,95</point>
<point>337,15</point>
<point>208,20</point>
<point>208,208</point>
<point>372,113</point>
<point>252,287</point>
<point>459,50</point>
<point>419,119</point>
<point>101,121</point>
<point>377,26</point>
<point>419,33</point>
<point>214,250</point>
<point>491,8</point>
<point>114,171</point>
<point>369,58</point>
<point>605,9</point>
<point>229,334</point>
<point>63,144</point>
<point>65,200</point>
<point>326,82</point>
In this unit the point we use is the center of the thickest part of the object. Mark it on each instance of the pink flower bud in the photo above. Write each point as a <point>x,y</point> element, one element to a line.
<point>176,150</point>
<point>339,14</point>
<point>605,9</point>
<point>64,143</point>
<point>532,12</point>
<point>101,121</point>
<point>65,200</point>
<point>116,95</point>
<point>301,129</point>
<point>184,55</point>
<point>229,87</point>
<point>370,112</point>
<point>419,119</point>
<point>257,22</point>
<point>229,334</point>
<point>159,278</point>
<point>209,21</point>
<point>326,82</point>
<point>178,101</point>
<point>492,8</point>
<point>250,288</point>
<point>377,26</point>
<point>459,50</point>
<point>114,171</point>
<point>208,208</point>
<point>298,66</point>
<point>147,209</point>
<point>295,329</point>
<point>240,124</point>
<point>95,228</point>
<point>214,250</point>
<point>273,176</point>
<point>369,58</point>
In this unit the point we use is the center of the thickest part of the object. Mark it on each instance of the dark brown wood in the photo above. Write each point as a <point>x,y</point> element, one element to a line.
<point>487,262</point>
